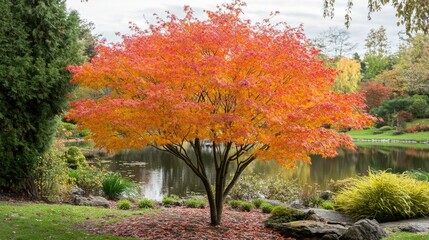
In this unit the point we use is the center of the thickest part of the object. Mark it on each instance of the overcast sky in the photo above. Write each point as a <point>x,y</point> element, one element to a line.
<point>111,16</point>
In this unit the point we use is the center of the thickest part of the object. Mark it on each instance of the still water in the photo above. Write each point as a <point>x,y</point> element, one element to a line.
<point>161,174</point>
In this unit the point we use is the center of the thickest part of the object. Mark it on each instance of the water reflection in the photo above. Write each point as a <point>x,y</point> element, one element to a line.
<point>160,173</point>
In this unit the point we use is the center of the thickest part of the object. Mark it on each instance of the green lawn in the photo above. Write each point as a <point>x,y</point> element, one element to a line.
<point>50,221</point>
<point>369,133</point>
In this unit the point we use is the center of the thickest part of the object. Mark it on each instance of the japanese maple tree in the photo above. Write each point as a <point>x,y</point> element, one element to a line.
<point>255,91</point>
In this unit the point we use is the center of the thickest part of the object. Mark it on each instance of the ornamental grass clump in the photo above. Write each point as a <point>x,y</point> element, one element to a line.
<point>124,204</point>
<point>195,202</point>
<point>115,186</point>
<point>146,203</point>
<point>385,197</point>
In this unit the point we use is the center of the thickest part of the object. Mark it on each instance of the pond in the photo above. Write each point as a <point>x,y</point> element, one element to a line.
<point>161,174</point>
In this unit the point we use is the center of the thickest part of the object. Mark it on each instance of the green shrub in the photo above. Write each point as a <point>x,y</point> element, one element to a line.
<point>386,128</point>
<point>246,206</point>
<point>124,204</point>
<point>114,186</point>
<point>235,203</point>
<point>75,159</point>
<point>385,197</point>
<point>195,203</point>
<point>51,176</point>
<point>84,133</point>
<point>419,106</point>
<point>170,200</point>
<point>90,179</point>
<point>266,207</point>
<point>328,205</point>
<point>257,202</point>
<point>282,215</point>
<point>146,203</point>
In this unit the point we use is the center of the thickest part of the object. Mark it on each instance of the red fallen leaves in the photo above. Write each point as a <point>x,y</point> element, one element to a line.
<point>187,223</point>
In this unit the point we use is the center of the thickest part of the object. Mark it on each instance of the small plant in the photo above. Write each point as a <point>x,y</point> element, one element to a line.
<point>170,200</point>
<point>328,205</point>
<point>257,202</point>
<point>124,204</point>
<point>386,128</point>
<point>146,203</point>
<point>195,203</point>
<point>266,207</point>
<point>235,203</point>
<point>115,186</point>
<point>75,159</point>
<point>246,206</point>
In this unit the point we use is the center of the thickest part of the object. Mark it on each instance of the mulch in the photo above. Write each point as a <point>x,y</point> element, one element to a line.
<point>189,223</point>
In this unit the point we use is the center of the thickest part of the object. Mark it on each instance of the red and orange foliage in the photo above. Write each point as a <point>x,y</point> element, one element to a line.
<point>223,79</point>
<point>375,94</point>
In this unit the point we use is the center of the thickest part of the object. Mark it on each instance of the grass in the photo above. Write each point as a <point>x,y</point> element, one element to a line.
<point>393,144</point>
<point>50,221</point>
<point>407,236</point>
<point>368,134</point>
<point>417,136</point>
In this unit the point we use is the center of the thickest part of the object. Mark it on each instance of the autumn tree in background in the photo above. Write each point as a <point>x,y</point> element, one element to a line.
<point>254,91</point>
<point>375,94</point>
<point>348,77</point>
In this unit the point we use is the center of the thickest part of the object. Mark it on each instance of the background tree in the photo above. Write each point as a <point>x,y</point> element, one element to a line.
<point>252,91</point>
<point>348,75</point>
<point>376,42</point>
<point>414,64</point>
<point>375,94</point>
<point>413,14</point>
<point>335,42</point>
<point>376,58</point>
<point>37,40</point>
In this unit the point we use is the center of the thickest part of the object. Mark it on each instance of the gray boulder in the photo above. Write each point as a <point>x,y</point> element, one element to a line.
<point>364,229</point>
<point>95,201</point>
<point>308,229</point>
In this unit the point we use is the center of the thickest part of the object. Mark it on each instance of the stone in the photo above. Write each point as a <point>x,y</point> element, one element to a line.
<point>297,204</point>
<point>364,229</point>
<point>326,195</point>
<point>330,237</point>
<point>77,191</point>
<point>307,229</point>
<point>312,215</point>
<point>95,201</point>
<point>414,228</point>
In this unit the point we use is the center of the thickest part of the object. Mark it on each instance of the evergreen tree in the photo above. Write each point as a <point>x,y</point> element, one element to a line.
<point>38,39</point>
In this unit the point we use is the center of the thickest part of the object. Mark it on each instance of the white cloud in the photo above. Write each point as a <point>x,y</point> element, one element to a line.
<point>111,16</point>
